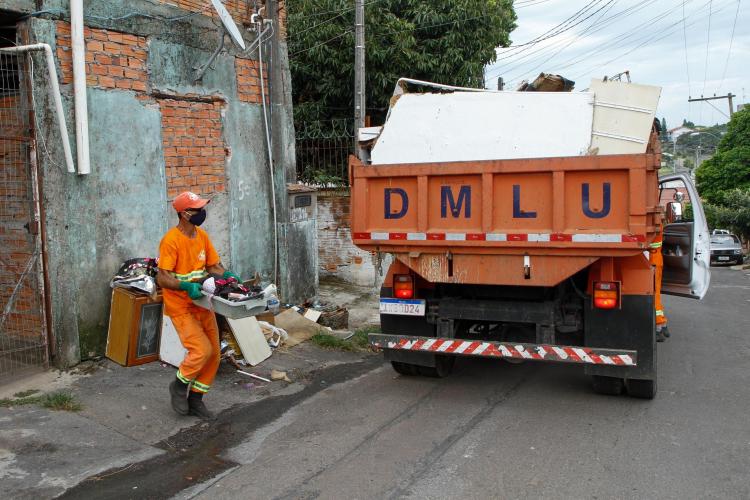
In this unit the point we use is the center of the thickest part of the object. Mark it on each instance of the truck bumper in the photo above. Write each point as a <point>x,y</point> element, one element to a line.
<point>489,349</point>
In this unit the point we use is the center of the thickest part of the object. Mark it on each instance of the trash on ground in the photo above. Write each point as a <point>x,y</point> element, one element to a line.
<point>250,338</point>
<point>279,375</point>
<point>299,328</point>
<point>255,376</point>
<point>313,314</point>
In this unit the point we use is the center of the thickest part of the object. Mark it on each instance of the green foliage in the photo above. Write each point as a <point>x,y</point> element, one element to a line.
<point>357,342</point>
<point>733,213</point>
<point>686,123</point>
<point>446,41</point>
<point>664,129</point>
<point>58,401</point>
<point>729,168</point>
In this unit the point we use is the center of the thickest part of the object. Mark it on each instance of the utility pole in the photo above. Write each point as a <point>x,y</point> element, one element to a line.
<point>728,97</point>
<point>359,72</point>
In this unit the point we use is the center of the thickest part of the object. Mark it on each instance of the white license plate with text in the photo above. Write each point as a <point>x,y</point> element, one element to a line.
<point>723,258</point>
<point>403,307</point>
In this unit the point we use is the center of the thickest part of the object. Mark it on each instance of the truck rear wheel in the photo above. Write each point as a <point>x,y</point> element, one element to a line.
<point>637,388</point>
<point>406,369</point>
<point>611,386</point>
<point>443,367</point>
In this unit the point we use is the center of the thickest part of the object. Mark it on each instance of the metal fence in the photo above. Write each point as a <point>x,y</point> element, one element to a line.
<point>323,149</point>
<point>23,337</point>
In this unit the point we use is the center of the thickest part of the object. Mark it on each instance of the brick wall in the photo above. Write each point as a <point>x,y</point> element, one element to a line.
<point>113,59</point>
<point>194,150</point>
<point>241,10</point>
<point>337,255</point>
<point>25,319</point>
<point>248,80</point>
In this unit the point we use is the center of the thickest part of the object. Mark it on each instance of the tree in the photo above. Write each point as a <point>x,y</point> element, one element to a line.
<point>733,213</point>
<point>688,124</point>
<point>447,41</point>
<point>664,131</point>
<point>729,168</point>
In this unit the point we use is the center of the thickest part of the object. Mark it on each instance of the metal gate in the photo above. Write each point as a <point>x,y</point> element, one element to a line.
<point>23,331</point>
<point>323,149</point>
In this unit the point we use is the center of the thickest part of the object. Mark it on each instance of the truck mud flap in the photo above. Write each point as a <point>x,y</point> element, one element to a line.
<point>632,327</point>
<point>489,349</point>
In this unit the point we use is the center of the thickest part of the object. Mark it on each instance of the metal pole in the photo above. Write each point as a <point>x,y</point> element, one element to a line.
<point>731,106</point>
<point>359,72</point>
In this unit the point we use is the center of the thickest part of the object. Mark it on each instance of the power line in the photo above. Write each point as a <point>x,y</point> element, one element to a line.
<point>708,40</point>
<point>566,45</point>
<point>667,31</point>
<point>684,39</point>
<point>346,32</point>
<point>599,24</point>
<point>731,40</point>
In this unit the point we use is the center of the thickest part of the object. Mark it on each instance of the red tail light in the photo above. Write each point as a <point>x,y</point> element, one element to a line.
<point>403,286</point>
<point>606,294</point>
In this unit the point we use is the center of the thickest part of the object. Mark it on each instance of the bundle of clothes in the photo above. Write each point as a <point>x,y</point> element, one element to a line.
<point>137,274</point>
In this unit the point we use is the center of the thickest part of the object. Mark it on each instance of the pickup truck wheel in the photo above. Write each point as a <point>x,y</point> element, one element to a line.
<point>406,369</point>
<point>645,389</point>
<point>611,386</point>
<point>443,367</point>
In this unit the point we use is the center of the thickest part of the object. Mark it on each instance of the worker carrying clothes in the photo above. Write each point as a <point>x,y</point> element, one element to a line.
<point>186,258</point>
<point>657,260</point>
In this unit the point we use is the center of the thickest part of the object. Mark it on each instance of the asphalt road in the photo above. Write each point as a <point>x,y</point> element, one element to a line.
<point>491,430</point>
<point>496,430</point>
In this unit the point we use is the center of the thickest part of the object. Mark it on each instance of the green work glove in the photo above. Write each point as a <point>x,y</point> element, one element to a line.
<point>193,289</point>
<point>230,274</point>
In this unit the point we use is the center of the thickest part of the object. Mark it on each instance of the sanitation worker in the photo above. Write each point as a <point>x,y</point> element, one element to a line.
<point>186,258</point>
<point>657,260</point>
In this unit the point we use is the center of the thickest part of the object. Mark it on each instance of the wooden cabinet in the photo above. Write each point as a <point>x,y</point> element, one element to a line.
<point>134,327</point>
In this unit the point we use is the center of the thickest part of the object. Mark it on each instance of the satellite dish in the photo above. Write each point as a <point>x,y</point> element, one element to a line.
<point>229,23</point>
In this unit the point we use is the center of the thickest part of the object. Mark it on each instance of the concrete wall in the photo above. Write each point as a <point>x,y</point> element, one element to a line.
<point>153,133</point>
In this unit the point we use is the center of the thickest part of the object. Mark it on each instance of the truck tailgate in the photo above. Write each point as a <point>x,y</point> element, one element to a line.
<point>517,222</point>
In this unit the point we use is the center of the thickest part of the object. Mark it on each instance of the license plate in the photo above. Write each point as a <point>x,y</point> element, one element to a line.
<point>403,307</point>
<point>723,258</point>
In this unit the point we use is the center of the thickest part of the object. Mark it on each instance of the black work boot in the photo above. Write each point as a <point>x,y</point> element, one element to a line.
<point>660,337</point>
<point>197,407</point>
<point>178,392</point>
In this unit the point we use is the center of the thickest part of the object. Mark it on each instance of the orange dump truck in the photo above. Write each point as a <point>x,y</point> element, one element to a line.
<point>519,225</point>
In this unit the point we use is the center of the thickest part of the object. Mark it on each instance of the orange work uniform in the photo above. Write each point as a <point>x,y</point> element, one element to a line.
<point>657,260</point>
<point>186,258</point>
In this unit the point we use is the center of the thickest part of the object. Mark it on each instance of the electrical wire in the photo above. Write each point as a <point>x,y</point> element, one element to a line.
<point>731,41</point>
<point>294,54</point>
<point>566,45</point>
<point>661,34</point>
<point>573,60</point>
<point>708,42</point>
<point>684,40</point>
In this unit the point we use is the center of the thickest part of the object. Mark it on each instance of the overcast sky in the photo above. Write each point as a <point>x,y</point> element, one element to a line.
<point>643,36</point>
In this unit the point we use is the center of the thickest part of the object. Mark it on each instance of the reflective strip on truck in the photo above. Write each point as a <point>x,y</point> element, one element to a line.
<point>503,237</point>
<point>489,349</point>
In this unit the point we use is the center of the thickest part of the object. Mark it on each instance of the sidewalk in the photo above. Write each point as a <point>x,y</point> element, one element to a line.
<point>125,414</point>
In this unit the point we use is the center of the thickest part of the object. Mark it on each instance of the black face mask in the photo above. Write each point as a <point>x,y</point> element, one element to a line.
<point>198,218</point>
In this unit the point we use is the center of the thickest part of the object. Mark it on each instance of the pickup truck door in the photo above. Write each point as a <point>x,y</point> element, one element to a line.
<point>686,242</point>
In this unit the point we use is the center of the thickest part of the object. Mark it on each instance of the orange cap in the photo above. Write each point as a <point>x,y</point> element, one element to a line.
<point>188,200</point>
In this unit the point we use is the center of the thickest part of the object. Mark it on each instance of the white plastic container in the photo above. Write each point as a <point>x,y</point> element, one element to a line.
<point>230,309</point>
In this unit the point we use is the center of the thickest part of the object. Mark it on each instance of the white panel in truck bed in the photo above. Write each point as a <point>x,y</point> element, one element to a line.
<point>623,116</point>
<point>466,126</point>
